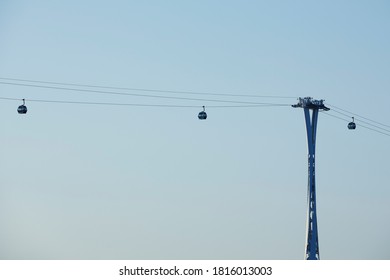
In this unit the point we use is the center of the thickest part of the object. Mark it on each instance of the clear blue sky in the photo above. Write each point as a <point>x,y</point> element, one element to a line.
<point>122,182</point>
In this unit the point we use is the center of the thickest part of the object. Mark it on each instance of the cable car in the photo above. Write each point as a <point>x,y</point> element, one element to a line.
<point>22,109</point>
<point>202,115</point>
<point>352,124</point>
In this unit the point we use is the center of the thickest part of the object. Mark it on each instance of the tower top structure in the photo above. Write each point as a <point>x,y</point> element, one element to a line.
<point>310,103</point>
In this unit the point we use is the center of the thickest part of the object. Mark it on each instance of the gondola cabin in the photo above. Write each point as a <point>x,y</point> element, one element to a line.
<point>202,115</point>
<point>22,109</point>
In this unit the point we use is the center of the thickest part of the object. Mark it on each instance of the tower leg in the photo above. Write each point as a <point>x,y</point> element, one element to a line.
<point>312,245</point>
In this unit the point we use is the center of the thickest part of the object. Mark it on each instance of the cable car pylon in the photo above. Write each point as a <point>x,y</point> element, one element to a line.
<point>312,245</point>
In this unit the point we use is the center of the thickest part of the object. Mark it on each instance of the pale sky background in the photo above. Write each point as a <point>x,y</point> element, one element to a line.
<point>123,182</point>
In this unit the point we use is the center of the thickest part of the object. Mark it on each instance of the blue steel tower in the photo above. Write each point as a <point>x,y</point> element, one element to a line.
<point>312,246</point>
